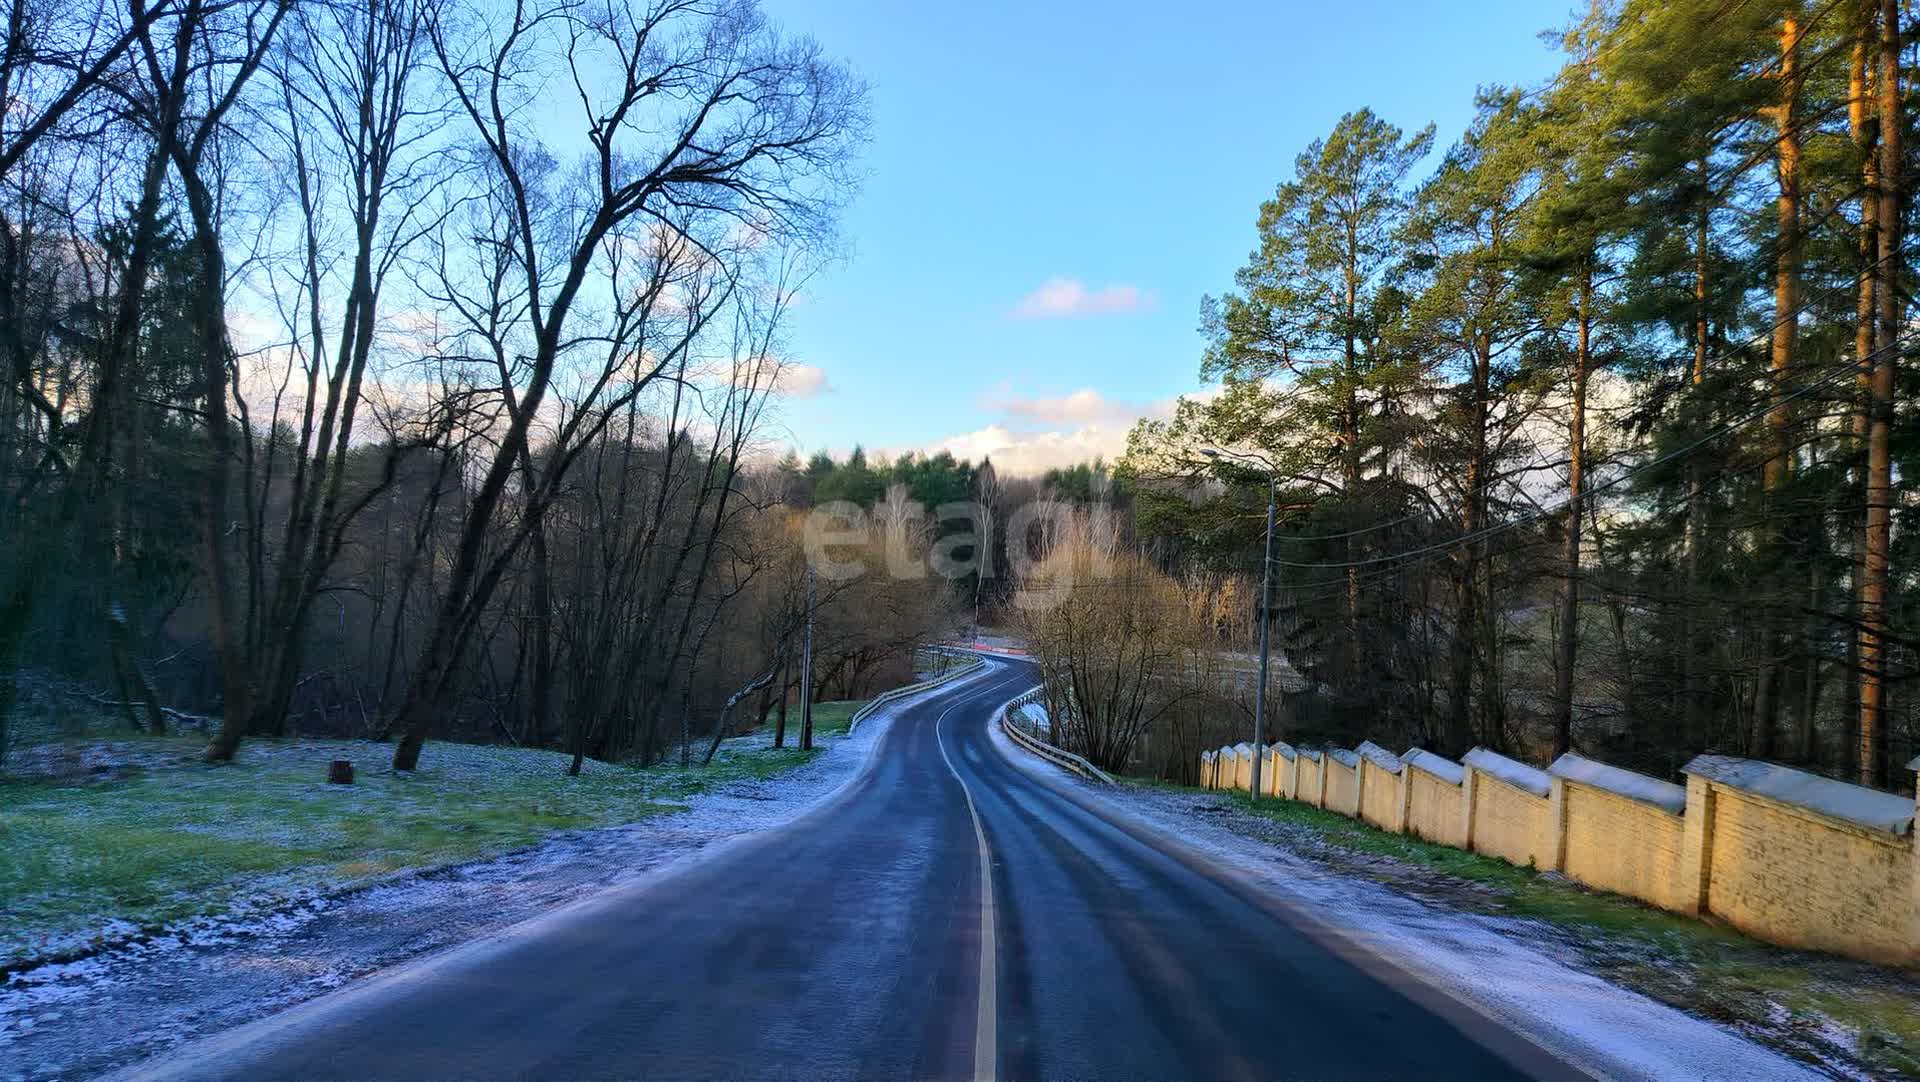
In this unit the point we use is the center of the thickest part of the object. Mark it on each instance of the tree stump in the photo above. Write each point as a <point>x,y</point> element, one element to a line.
<point>340,772</point>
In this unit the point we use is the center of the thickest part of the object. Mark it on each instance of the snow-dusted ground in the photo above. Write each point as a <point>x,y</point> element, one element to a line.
<point>1484,962</point>
<point>205,976</point>
<point>86,1017</point>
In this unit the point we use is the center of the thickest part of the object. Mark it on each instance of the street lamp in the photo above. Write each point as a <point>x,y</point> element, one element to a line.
<point>1266,592</point>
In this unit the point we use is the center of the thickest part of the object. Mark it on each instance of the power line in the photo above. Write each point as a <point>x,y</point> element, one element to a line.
<point>1848,367</point>
<point>1339,583</point>
<point>1852,366</point>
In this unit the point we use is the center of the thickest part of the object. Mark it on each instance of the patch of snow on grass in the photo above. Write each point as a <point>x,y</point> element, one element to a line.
<point>152,992</point>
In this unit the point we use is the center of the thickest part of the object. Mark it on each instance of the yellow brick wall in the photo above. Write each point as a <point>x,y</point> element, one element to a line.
<point>1382,796</point>
<point>1342,786</point>
<point>1780,873</point>
<point>1434,809</point>
<point>1307,784</point>
<point>1624,846</point>
<point>1806,881</point>
<point>1511,823</point>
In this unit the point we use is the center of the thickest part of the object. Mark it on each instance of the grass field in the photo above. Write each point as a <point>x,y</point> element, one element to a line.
<point>171,837</point>
<point>832,717</point>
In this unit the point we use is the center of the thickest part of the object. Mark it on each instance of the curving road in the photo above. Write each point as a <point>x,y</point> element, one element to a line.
<point>850,944</point>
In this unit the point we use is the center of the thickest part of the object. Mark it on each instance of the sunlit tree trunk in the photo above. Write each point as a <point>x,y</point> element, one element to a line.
<point>1861,126</point>
<point>1879,528</point>
<point>1786,308</point>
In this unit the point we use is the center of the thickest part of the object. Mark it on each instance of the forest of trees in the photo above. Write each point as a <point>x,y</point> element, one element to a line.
<point>1591,429</point>
<point>410,368</point>
<point>399,367</point>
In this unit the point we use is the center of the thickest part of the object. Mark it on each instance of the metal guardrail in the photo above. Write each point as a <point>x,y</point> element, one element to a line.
<point>1031,695</point>
<point>874,704</point>
<point>1057,756</point>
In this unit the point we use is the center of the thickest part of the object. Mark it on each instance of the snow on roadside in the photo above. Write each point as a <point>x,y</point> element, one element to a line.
<point>211,974</point>
<point>1484,962</point>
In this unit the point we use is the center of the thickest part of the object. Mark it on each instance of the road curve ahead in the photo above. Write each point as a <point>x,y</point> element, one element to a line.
<point>859,942</point>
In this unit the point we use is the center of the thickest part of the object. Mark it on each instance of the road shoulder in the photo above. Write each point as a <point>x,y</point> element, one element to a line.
<point>1508,971</point>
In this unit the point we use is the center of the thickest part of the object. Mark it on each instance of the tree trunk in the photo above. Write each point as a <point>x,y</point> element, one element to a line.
<point>1807,742</point>
<point>780,722</point>
<point>1786,308</point>
<point>210,325</point>
<point>1879,527</point>
<point>1695,655</point>
<point>129,675</point>
<point>542,635</point>
<point>1861,125</point>
<point>726,712</point>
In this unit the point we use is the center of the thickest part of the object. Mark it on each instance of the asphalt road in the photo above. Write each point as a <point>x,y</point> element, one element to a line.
<point>850,945</point>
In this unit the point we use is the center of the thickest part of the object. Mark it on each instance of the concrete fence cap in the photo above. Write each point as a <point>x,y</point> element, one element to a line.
<point>1344,756</point>
<point>1381,757</point>
<point>1621,782</point>
<point>1915,764</point>
<point>1437,765</point>
<point>1512,771</point>
<point>1286,750</point>
<point>1855,804</point>
<point>1243,750</point>
<point>1310,754</point>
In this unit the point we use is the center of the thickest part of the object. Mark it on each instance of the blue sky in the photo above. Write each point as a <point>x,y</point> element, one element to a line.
<point>1050,190</point>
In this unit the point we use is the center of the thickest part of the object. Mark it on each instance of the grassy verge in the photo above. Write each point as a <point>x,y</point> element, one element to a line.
<point>1819,1008</point>
<point>1516,891</point>
<point>835,717</point>
<point>173,838</point>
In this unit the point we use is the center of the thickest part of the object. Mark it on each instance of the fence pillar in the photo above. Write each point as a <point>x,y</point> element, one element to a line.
<point>1320,797</point>
<point>1913,841</point>
<point>1406,800</point>
<point>1466,807</point>
<point>1557,823</point>
<point>1696,851</point>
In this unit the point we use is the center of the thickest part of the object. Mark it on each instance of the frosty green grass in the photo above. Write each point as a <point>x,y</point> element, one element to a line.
<point>80,862</point>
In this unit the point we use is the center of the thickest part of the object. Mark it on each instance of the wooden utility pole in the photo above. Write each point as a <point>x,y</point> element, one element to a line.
<point>806,673</point>
<point>1567,648</point>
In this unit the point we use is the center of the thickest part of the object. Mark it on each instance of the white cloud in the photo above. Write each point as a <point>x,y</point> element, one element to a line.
<point>790,380</point>
<point>1037,434</point>
<point>803,381</point>
<point>1083,406</point>
<point>1060,297</point>
<point>1030,453</point>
